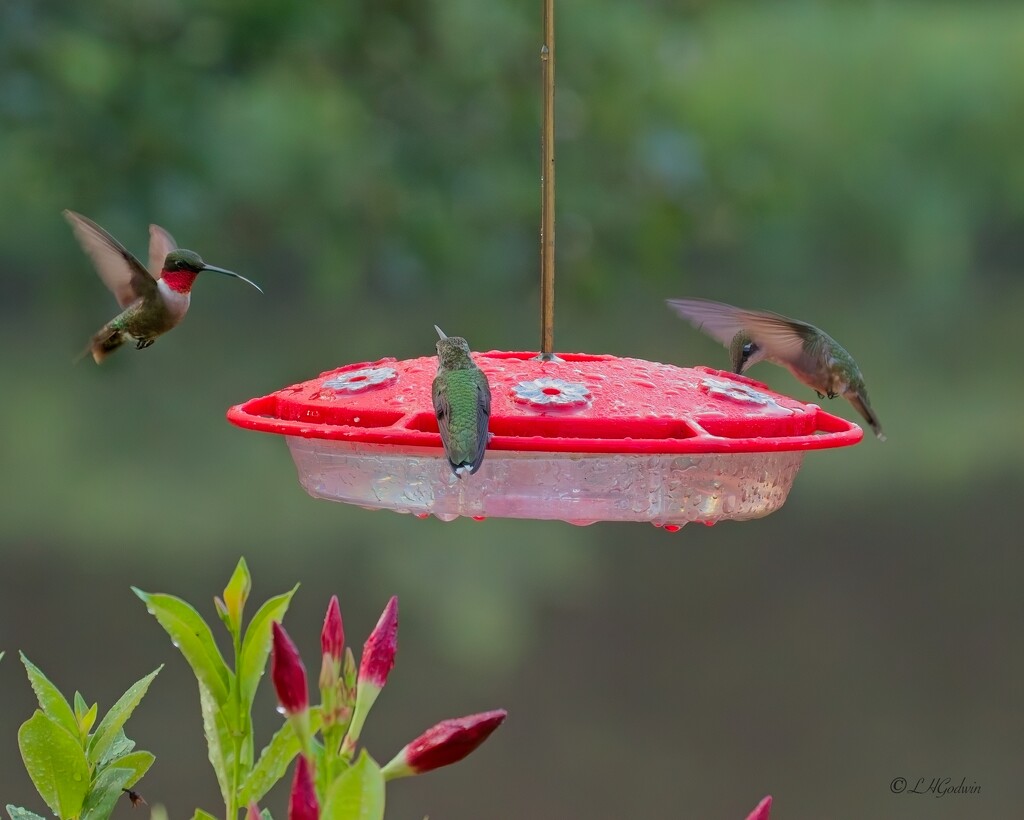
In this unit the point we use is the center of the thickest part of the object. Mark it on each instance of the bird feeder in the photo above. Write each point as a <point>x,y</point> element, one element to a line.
<point>574,437</point>
<point>582,438</point>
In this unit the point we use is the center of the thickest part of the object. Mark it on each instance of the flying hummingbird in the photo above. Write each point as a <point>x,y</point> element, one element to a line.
<point>152,301</point>
<point>810,354</point>
<point>462,404</point>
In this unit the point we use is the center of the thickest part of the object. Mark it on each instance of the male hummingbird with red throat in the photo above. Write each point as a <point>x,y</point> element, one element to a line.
<point>153,301</point>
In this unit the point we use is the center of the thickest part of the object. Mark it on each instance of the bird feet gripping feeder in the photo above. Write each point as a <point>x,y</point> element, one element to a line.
<point>575,437</point>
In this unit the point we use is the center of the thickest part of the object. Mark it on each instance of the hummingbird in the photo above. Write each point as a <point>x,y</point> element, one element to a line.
<point>462,404</point>
<point>135,798</point>
<point>153,301</point>
<point>809,353</point>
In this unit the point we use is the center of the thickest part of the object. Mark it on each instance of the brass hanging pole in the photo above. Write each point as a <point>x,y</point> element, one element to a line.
<point>547,188</point>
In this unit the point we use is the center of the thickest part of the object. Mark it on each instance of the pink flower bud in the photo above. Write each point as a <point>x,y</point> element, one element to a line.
<point>762,810</point>
<point>302,803</point>
<point>380,648</point>
<point>374,668</point>
<point>332,637</point>
<point>446,743</point>
<point>254,812</point>
<point>288,673</point>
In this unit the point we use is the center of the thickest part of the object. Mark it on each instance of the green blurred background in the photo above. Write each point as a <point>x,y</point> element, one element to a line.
<point>374,165</point>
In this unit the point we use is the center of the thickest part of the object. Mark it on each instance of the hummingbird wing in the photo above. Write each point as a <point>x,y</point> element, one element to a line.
<point>120,271</point>
<point>483,418</point>
<point>161,243</point>
<point>778,336</point>
<point>442,410</point>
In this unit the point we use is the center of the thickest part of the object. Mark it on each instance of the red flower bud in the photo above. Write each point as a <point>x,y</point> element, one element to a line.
<point>302,803</point>
<point>288,673</point>
<point>380,648</point>
<point>446,743</point>
<point>332,636</point>
<point>762,810</point>
<point>374,668</point>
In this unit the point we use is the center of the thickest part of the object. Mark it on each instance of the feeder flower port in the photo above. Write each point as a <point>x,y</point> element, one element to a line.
<point>579,438</point>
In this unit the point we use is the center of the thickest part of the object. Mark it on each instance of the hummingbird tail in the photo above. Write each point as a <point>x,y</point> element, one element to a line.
<point>103,344</point>
<point>85,351</point>
<point>861,405</point>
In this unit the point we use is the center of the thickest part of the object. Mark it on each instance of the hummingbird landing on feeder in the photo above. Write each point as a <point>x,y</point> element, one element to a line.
<point>809,353</point>
<point>153,301</point>
<point>462,404</point>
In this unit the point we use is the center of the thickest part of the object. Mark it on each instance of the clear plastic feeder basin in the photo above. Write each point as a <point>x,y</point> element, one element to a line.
<point>582,438</point>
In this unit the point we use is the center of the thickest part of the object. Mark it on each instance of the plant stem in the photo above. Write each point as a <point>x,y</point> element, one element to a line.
<point>238,732</point>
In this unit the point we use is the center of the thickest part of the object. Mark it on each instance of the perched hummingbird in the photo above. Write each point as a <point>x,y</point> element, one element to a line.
<point>810,354</point>
<point>462,403</point>
<point>152,301</point>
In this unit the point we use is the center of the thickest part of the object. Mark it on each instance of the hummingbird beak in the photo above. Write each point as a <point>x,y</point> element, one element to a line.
<point>215,269</point>
<point>440,333</point>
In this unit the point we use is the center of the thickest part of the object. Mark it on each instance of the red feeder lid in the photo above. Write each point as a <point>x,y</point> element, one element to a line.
<point>578,403</point>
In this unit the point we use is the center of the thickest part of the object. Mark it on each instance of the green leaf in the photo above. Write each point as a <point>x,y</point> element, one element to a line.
<point>87,721</point>
<point>218,742</point>
<point>56,762</point>
<point>256,646</point>
<point>193,637</point>
<point>105,792</point>
<point>275,759</point>
<point>107,731</point>
<point>51,701</point>
<point>84,715</point>
<point>358,794</point>
<point>265,814</point>
<point>137,763</point>
<point>236,593</point>
<point>203,815</point>
<point>322,778</point>
<point>120,747</point>
<point>223,614</point>
<point>16,812</point>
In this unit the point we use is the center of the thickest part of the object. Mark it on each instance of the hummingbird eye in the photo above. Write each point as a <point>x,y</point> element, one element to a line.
<point>748,349</point>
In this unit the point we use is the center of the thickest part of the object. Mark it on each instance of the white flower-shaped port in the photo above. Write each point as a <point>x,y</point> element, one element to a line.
<point>743,393</point>
<point>545,392</point>
<point>357,380</point>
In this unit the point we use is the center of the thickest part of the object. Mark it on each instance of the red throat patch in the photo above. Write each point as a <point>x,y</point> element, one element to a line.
<point>180,281</point>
